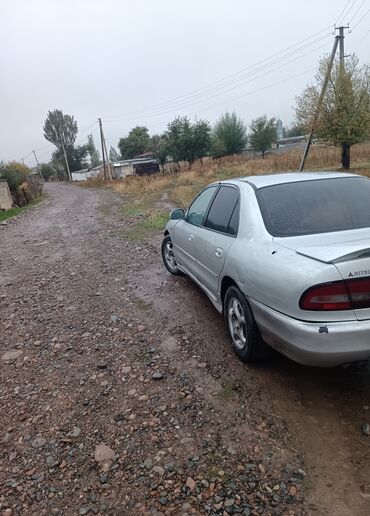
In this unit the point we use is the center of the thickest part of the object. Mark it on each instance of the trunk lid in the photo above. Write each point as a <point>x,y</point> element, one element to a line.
<point>337,253</point>
<point>348,251</point>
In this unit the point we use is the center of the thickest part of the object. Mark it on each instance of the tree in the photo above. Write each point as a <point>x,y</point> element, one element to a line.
<point>14,173</point>
<point>263,133</point>
<point>175,139</point>
<point>137,142</point>
<point>159,145</point>
<point>93,151</point>
<point>188,141</point>
<point>60,128</point>
<point>345,115</point>
<point>77,160</point>
<point>47,171</point>
<point>229,136</point>
<point>113,155</point>
<point>295,130</point>
<point>201,138</point>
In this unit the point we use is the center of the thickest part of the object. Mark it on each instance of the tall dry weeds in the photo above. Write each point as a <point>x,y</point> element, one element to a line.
<point>182,186</point>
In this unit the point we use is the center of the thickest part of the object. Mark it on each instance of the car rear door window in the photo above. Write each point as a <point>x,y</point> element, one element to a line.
<point>222,209</point>
<point>234,221</point>
<point>199,206</point>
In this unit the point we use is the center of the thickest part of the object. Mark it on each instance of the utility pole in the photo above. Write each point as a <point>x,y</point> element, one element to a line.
<point>346,149</point>
<point>38,166</point>
<point>66,160</point>
<point>341,44</point>
<point>60,138</point>
<point>107,155</point>
<point>321,97</point>
<point>102,147</point>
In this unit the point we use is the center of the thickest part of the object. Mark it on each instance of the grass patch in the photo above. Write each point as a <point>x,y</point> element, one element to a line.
<point>155,221</point>
<point>133,211</point>
<point>4,215</point>
<point>13,212</point>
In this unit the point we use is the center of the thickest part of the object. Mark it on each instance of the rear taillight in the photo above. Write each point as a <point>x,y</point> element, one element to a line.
<point>359,290</point>
<point>329,296</point>
<point>339,295</point>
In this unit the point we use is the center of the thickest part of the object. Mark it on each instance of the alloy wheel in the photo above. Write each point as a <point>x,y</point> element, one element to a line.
<point>169,256</point>
<point>236,322</point>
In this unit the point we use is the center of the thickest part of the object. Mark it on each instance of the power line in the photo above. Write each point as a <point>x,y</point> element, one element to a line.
<point>363,38</point>
<point>357,10</point>
<point>246,94</point>
<point>257,90</point>
<point>89,131</point>
<point>205,93</point>
<point>349,10</point>
<point>184,103</point>
<point>344,8</point>
<point>236,79</point>
<point>230,87</point>
<point>361,20</point>
<point>225,81</point>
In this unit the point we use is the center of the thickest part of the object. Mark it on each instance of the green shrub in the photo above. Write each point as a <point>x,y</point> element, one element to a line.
<point>14,173</point>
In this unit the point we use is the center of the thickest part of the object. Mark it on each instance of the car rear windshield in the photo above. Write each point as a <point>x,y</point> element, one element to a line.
<point>318,206</point>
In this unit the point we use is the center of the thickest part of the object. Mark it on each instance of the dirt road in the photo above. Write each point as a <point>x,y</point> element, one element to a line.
<point>99,345</point>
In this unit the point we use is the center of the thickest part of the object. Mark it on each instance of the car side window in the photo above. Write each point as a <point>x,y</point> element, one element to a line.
<point>222,210</point>
<point>234,221</point>
<point>199,207</point>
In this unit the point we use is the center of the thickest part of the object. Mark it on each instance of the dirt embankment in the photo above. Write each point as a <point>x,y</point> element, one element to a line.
<point>99,345</point>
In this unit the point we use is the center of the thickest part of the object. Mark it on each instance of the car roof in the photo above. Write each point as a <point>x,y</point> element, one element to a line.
<point>288,177</point>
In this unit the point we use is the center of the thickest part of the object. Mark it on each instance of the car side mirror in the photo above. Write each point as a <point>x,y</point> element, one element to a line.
<point>177,214</point>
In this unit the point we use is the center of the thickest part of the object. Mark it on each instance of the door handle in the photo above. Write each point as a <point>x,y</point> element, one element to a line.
<point>219,253</point>
<point>191,238</point>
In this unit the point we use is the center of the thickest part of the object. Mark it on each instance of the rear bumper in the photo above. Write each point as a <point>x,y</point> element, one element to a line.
<point>314,344</point>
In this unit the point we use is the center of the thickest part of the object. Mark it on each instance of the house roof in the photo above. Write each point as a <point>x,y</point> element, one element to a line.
<point>133,161</point>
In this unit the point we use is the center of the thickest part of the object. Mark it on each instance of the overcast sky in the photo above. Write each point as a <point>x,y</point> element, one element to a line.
<point>127,60</point>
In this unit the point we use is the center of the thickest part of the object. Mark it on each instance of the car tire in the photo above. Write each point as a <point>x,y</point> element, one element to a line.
<point>243,331</point>
<point>168,256</point>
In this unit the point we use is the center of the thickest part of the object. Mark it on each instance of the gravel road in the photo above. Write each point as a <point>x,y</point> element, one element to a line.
<point>119,393</point>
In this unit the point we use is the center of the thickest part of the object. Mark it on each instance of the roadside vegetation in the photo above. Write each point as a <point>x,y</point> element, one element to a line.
<point>181,187</point>
<point>148,200</point>
<point>343,121</point>
<point>344,118</point>
<point>14,173</point>
<point>24,187</point>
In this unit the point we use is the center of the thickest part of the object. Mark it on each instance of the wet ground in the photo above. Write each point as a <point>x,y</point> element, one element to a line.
<point>324,409</point>
<point>108,348</point>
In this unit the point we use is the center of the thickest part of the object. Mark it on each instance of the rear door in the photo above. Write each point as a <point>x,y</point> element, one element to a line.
<point>216,237</point>
<point>186,230</point>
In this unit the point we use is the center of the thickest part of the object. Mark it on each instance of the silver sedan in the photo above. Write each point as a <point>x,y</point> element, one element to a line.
<point>286,259</point>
